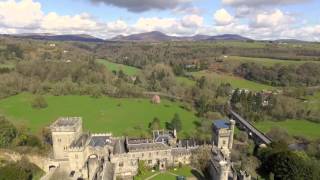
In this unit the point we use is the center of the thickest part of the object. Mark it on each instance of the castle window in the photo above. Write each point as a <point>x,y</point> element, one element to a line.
<point>149,154</point>
<point>150,162</point>
<point>142,154</point>
<point>59,140</point>
<point>120,164</point>
<point>223,142</point>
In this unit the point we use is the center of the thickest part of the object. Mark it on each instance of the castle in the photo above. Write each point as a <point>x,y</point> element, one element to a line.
<point>103,156</point>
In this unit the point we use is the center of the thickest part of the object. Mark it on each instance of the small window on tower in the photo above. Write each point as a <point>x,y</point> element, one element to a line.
<point>223,142</point>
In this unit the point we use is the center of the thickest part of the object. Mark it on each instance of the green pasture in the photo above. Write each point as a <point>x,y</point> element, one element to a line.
<point>303,128</point>
<point>263,61</point>
<point>236,82</point>
<point>129,70</point>
<point>7,65</point>
<point>117,115</point>
<point>313,102</point>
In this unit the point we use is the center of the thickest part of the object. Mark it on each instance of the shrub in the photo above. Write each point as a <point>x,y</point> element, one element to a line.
<point>39,102</point>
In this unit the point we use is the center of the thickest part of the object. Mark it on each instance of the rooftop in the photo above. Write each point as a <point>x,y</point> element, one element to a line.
<point>221,124</point>
<point>100,141</point>
<point>66,124</point>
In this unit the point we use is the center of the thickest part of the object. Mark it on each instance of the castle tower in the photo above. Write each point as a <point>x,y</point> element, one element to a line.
<point>232,125</point>
<point>224,170</point>
<point>64,131</point>
<point>222,135</point>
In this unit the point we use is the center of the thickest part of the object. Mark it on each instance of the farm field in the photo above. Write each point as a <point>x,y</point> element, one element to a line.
<point>303,128</point>
<point>263,61</point>
<point>129,70</point>
<point>236,82</point>
<point>119,116</point>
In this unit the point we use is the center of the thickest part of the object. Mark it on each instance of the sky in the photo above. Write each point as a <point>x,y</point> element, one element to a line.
<point>258,19</point>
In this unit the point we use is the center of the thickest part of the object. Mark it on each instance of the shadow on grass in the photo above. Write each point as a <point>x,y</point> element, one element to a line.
<point>197,174</point>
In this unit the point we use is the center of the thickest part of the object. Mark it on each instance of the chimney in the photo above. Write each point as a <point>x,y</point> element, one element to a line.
<point>174,133</point>
<point>232,124</point>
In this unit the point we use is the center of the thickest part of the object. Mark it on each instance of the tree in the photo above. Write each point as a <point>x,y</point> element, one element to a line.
<point>39,102</point>
<point>175,123</point>
<point>200,158</point>
<point>7,132</point>
<point>142,168</point>
<point>155,124</point>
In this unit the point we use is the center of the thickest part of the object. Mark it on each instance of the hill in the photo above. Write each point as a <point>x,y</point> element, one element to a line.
<point>156,36</point>
<point>149,36</point>
<point>53,37</point>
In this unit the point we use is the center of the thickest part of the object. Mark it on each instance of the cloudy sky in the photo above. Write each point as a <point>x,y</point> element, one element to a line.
<point>260,19</point>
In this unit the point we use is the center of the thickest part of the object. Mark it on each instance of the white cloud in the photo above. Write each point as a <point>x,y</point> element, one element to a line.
<point>144,5</point>
<point>26,16</point>
<point>192,21</point>
<point>155,24</point>
<point>273,19</point>
<point>222,17</point>
<point>54,22</point>
<point>260,2</point>
<point>117,26</point>
<point>22,14</point>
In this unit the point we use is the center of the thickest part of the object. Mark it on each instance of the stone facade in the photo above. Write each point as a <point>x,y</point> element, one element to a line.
<point>220,162</point>
<point>103,156</point>
<point>94,156</point>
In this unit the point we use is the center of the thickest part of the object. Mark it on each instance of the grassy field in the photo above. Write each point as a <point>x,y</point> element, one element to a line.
<point>185,81</point>
<point>313,102</point>
<point>294,127</point>
<point>105,114</point>
<point>7,65</point>
<point>236,82</point>
<point>263,61</point>
<point>129,70</point>
<point>168,175</point>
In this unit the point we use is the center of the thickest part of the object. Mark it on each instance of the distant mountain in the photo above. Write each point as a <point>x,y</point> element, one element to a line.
<point>156,36</point>
<point>153,36</point>
<point>53,37</point>
<point>228,37</point>
<point>149,36</point>
<point>290,41</point>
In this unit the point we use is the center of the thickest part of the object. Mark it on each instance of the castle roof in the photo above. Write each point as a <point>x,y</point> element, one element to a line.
<point>221,124</point>
<point>100,141</point>
<point>66,124</point>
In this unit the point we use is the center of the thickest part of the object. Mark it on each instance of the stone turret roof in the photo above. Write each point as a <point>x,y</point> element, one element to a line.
<point>221,124</point>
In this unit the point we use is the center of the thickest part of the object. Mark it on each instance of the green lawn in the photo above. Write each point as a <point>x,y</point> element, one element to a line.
<point>185,81</point>
<point>7,65</point>
<point>168,175</point>
<point>164,176</point>
<point>105,114</point>
<point>313,102</point>
<point>236,82</point>
<point>294,127</point>
<point>129,70</point>
<point>264,61</point>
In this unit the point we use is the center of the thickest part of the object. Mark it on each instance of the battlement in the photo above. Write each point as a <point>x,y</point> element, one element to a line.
<point>66,124</point>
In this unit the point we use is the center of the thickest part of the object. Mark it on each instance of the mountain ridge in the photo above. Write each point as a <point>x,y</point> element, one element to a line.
<point>159,36</point>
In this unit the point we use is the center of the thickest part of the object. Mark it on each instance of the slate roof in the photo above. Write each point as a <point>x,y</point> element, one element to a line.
<point>221,124</point>
<point>100,141</point>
